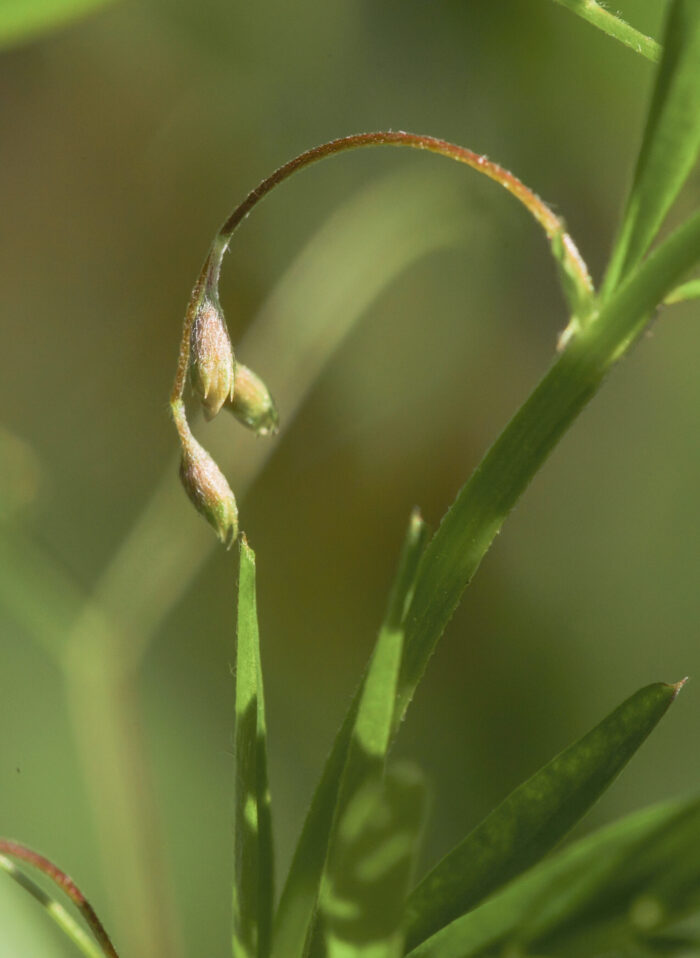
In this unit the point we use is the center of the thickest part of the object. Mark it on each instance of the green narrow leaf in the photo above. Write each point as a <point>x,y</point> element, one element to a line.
<point>626,883</point>
<point>373,724</point>
<point>371,734</point>
<point>670,144</point>
<point>22,19</point>
<point>364,736</point>
<point>370,866</point>
<point>615,27</point>
<point>536,816</point>
<point>253,885</point>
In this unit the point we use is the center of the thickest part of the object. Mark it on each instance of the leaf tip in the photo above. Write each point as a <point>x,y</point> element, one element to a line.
<point>416,519</point>
<point>677,686</point>
<point>246,549</point>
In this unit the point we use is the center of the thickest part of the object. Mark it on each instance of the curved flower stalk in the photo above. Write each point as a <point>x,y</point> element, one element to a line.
<point>205,350</point>
<point>11,849</point>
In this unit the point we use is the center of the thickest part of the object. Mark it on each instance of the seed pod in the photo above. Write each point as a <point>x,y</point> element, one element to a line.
<point>252,403</point>
<point>211,358</point>
<point>208,490</point>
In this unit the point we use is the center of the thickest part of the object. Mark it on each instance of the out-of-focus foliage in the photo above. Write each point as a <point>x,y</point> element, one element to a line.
<point>23,19</point>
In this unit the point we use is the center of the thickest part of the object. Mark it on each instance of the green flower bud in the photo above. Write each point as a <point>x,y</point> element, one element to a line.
<point>252,404</point>
<point>208,490</point>
<point>211,358</point>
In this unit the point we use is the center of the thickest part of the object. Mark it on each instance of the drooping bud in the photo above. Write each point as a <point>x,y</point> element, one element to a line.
<point>208,490</point>
<point>252,403</point>
<point>211,358</point>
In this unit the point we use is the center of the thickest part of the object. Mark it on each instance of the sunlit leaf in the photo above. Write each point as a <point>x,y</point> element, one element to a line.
<point>620,887</point>
<point>536,816</point>
<point>358,753</point>
<point>671,141</point>
<point>253,889</point>
<point>370,866</point>
<point>23,19</point>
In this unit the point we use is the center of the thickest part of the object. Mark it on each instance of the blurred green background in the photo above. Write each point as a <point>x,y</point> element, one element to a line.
<point>125,138</point>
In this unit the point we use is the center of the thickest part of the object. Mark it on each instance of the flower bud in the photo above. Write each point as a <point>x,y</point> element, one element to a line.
<point>252,404</point>
<point>211,358</point>
<point>208,490</point>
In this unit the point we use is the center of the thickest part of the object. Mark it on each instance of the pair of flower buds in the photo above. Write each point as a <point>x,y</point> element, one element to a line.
<point>219,382</point>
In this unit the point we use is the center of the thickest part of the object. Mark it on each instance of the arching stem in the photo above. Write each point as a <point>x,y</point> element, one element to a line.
<point>67,886</point>
<point>565,251</point>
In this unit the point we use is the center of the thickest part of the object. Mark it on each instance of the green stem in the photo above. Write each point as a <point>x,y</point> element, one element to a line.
<point>482,505</point>
<point>57,912</point>
<point>615,27</point>
<point>62,881</point>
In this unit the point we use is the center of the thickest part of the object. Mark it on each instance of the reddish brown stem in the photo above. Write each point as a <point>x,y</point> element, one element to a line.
<point>208,279</point>
<point>67,886</point>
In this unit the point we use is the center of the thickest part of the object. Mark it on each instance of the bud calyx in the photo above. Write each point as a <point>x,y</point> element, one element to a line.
<point>208,490</point>
<point>252,403</point>
<point>211,358</point>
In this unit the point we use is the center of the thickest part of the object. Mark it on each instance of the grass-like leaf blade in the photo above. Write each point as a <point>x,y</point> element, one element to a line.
<point>360,744</point>
<point>253,883</point>
<point>370,866</point>
<point>624,885</point>
<point>23,19</point>
<point>670,145</point>
<point>534,817</point>
<point>371,733</point>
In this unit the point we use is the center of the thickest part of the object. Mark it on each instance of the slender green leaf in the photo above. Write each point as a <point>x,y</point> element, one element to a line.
<point>371,734</point>
<point>615,27</point>
<point>372,730</point>
<point>670,145</point>
<point>359,750</point>
<point>536,816</point>
<point>22,19</point>
<point>370,866</point>
<point>253,888</point>
<point>623,885</point>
